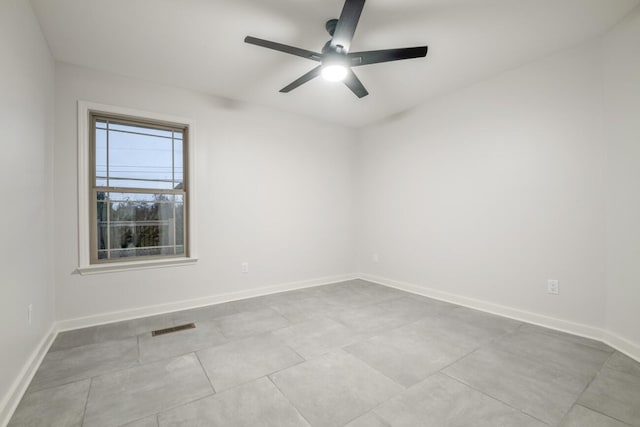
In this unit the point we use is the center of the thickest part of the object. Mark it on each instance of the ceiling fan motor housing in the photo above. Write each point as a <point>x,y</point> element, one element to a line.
<point>331,26</point>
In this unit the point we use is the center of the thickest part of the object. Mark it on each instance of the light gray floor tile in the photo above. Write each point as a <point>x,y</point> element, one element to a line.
<point>616,394</point>
<point>407,356</point>
<point>583,417</point>
<point>64,366</point>
<point>248,304</point>
<point>569,337</point>
<point>204,314</point>
<point>416,306</point>
<point>112,331</point>
<point>258,403</point>
<point>304,309</point>
<point>241,361</point>
<point>249,323</point>
<point>472,332</point>
<point>344,297</point>
<point>370,419</point>
<point>622,363</point>
<point>374,291</point>
<point>334,389</point>
<point>493,326</point>
<point>317,336</point>
<point>374,318</point>
<point>204,335</point>
<point>151,421</point>
<point>357,293</point>
<point>542,391</point>
<point>134,393</point>
<point>440,401</point>
<point>75,338</point>
<point>450,332</point>
<point>576,359</point>
<point>132,328</point>
<point>291,296</point>
<point>61,406</point>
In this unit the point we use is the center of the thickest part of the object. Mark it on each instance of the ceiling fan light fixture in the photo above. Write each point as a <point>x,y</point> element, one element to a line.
<point>336,59</point>
<point>334,72</point>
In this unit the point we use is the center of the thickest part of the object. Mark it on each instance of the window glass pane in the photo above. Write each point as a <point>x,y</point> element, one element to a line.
<point>101,158</point>
<point>139,129</point>
<point>179,223</point>
<point>102,223</point>
<point>177,159</point>
<point>138,224</point>
<point>140,161</point>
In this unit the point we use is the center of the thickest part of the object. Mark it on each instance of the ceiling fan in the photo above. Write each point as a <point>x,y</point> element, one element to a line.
<point>335,60</point>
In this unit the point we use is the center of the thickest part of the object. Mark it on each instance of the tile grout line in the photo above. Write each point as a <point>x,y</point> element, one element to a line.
<point>135,363</point>
<point>302,360</point>
<point>170,407</point>
<point>604,365</point>
<point>288,400</point>
<point>584,389</point>
<point>495,398</point>
<point>373,413</point>
<point>179,405</point>
<point>404,388</point>
<point>86,402</point>
<point>459,380</point>
<point>205,372</point>
<point>372,410</point>
<point>603,414</point>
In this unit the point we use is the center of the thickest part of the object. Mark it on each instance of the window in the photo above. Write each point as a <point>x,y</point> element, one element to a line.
<point>138,190</point>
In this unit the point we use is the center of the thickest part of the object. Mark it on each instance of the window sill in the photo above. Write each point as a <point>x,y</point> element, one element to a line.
<point>133,265</point>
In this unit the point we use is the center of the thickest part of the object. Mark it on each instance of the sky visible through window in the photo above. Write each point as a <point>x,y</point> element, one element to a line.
<point>138,157</point>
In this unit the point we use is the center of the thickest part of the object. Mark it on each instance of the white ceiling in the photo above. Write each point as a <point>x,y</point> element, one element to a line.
<point>198,44</point>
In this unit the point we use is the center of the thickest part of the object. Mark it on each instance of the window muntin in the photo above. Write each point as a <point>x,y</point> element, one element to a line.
<point>139,193</point>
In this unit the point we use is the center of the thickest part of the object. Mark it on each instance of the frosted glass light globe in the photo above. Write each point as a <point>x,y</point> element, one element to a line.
<point>334,72</point>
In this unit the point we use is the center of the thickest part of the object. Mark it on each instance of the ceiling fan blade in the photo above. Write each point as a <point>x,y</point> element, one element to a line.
<point>347,23</point>
<point>314,56</point>
<point>386,55</point>
<point>355,84</point>
<point>302,79</point>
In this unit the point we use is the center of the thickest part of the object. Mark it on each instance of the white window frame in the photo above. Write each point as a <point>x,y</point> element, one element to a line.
<point>85,109</point>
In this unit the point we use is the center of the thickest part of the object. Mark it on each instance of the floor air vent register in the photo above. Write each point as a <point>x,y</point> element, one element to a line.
<point>173,329</point>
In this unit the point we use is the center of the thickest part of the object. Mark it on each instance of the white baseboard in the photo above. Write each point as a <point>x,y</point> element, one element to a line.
<point>11,400</point>
<point>623,345</point>
<point>619,343</point>
<point>100,319</point>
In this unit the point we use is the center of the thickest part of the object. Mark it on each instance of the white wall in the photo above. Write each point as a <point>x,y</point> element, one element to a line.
<point>489,191</point>
<point>26,120</point>
<point>622,118</point>
<point>274,189</point>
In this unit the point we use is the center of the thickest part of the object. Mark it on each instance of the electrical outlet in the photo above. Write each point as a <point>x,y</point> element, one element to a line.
<point>375,258</point>
<point>30,312</point>
<point>245,267</point>
<point>553,286</point>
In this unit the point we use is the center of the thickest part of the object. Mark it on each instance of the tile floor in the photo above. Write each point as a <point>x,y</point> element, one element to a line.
<point>349,354</point>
